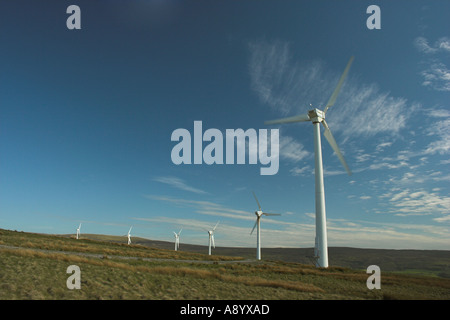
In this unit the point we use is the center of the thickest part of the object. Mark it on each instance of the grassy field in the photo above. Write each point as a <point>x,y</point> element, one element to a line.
<point>33,266</point>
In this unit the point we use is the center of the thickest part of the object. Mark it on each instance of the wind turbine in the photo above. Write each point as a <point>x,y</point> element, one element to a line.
<point>78,231</point>
<point>318,116</point>
<point>129,235</point>
<point>177,239</point>
<point>211,237</point>
<point>259,213</point>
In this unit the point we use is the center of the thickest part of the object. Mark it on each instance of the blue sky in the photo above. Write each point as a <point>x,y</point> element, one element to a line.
<point>86,118</point>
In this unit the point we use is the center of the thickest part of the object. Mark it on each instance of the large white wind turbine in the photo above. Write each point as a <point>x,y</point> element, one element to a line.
<point>78,231</point>
<point>129,235</point>
<point>177,239</point>
<point>318,116</point>
<point>259,213</point>
<point>211,238</point>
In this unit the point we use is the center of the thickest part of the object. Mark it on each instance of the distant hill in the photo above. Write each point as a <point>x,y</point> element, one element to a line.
<point>427,262</point>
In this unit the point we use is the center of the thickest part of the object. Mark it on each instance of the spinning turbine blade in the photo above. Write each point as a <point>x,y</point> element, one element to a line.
<point>271,214</point>
<point>216,226</point>
<point>254,226</point>
<point>259,206</point>
<point>299,118</point>
<point>333,97</point>
<point>333,144</point>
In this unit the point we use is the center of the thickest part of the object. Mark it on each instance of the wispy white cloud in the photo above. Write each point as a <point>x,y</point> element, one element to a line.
<point>205,207</point>
<point>441,45</point>
<point>407,202</point>
<point>441,129</point>
<point>179,184</point>
<point>296,171</point>
<point>292,150</point>
<point>377,112</point>
<point>381,146</point>
<point>387,235</point>
<point>289,87</point>
<point>422,45</point>
<point>436,74</point>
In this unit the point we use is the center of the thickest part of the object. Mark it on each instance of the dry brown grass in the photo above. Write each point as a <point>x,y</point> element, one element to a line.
<point>167,270</point>
<point>34,272</point>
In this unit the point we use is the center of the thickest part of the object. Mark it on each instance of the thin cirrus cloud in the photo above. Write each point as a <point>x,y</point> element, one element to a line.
<point>435,74</point>
<point>210,208</point>
<point>289,87</point>
<point>407,202</point>
<point>179,184</point>
<point>440,130</point>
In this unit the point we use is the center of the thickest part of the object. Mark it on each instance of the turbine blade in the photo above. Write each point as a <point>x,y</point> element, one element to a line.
<point>212,239</point>
<point>256,222</point>
<point>259,206</point>
<point>216,225</point>
<point>298,118</point>
<point>335,147</point>
<point>333,97</point>
<point>271,214</point>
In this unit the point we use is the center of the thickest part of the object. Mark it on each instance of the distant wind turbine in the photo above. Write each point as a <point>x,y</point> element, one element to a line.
<point>258,214</point>
<point>211,237</point>
<point>129,235</point>
<point>78,231</point>
<point>317,116</point>
<point>177,239</point>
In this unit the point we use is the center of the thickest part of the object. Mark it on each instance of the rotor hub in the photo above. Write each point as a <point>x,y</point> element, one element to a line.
<point>316,115</point>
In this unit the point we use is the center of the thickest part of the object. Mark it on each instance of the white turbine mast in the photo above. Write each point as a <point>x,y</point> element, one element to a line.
<point>177,239</point>
<point>78,231</point>
<point>257,225</point>
<point>211,238</point>
<point>318,116</point>
<point>129,235</point>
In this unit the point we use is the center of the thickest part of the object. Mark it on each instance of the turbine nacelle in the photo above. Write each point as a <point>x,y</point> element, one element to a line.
<point>316,115</point>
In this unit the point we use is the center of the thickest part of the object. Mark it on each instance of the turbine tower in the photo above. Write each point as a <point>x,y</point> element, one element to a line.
<point>318,116</point>
<point>177,239</point>
<point>78,231</point>
<point>129,235</point>
<point>211,238</point>
<point>258,214</point>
